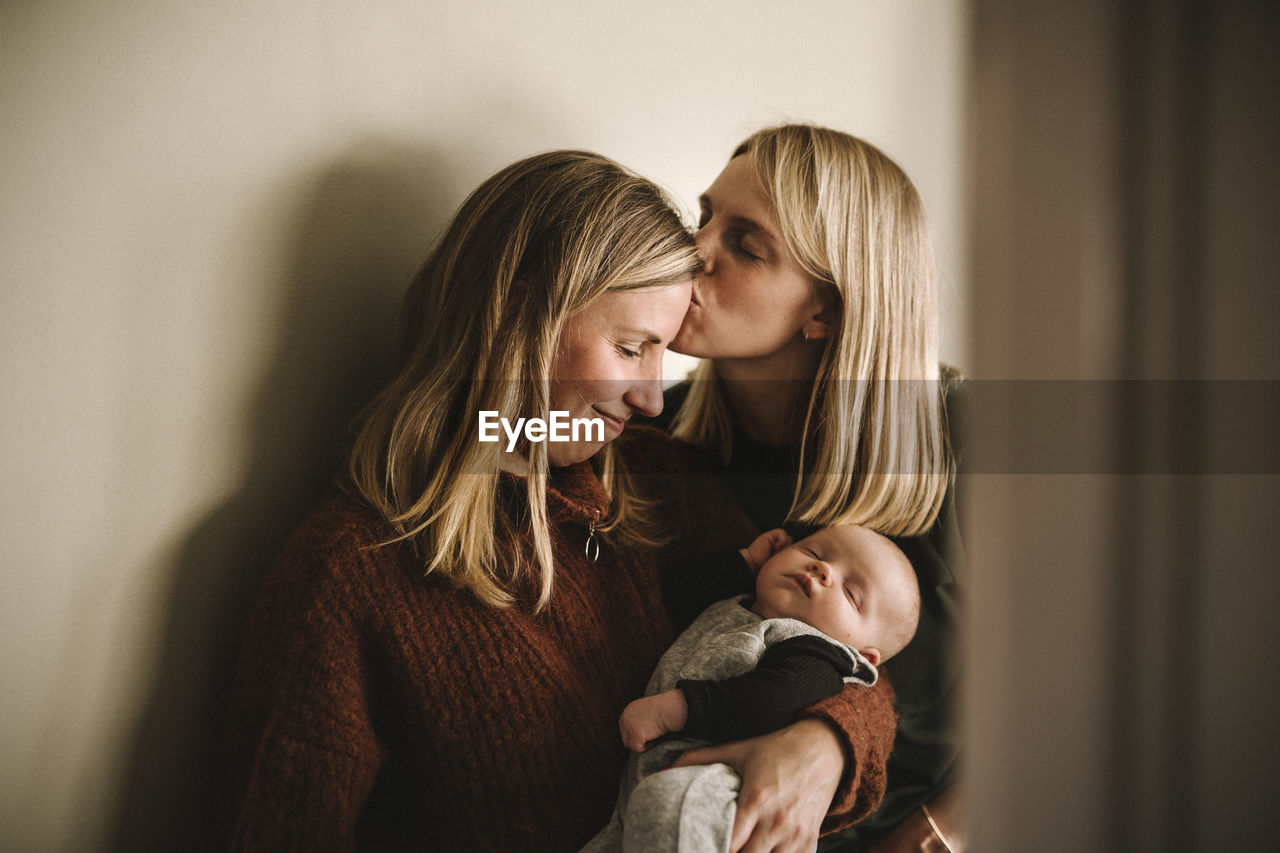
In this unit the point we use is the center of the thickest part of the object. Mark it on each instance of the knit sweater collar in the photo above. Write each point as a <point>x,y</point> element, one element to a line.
<point>574,494</point>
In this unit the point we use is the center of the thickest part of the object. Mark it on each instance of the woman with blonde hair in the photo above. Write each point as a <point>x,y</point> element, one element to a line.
<point>439,659</point>
<point>821,403</point>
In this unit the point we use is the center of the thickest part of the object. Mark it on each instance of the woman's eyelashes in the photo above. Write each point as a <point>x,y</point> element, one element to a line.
<point>735,238</point>
<point>626,351</point>
<point>737,241</point>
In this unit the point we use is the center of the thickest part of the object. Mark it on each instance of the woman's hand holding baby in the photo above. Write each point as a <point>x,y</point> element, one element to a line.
<point>763,547</point>
<point>652,717</point>
<point>788,780</point>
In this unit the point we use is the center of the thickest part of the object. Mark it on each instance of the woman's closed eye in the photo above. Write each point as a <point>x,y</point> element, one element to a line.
<point>737,239</point>
<point>627,352</point>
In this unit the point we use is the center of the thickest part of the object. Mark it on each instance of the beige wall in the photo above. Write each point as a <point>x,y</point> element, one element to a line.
<point>207,211</point>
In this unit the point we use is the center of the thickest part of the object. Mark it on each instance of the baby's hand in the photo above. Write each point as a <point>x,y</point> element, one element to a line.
<point>765,546</point>
<point>652,717</point>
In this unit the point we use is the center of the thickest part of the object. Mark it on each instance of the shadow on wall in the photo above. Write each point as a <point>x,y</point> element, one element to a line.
<point>364,225</point>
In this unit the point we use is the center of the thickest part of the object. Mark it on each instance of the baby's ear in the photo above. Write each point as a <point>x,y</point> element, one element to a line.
<point>872,654</point>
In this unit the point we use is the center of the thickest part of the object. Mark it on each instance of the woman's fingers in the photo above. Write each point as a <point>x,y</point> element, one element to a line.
<point>776,823</point>
<point>746,816</point>
<point>780,806</point>
<point>723,753</point>
<point>744,823</point>
<point>754,830</point>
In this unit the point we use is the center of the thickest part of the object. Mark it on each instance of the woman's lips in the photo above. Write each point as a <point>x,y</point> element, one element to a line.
<point>612,423</point>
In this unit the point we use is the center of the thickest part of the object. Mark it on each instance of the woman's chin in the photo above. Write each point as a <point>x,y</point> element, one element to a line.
<point>690,343</point>
<point>571,453</point>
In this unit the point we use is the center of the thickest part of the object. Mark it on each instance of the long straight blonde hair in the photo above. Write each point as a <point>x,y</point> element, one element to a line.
<point>874,448</point>
<point>480,324</point>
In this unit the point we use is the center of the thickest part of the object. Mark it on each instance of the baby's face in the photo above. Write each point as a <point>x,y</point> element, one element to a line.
<point>848,582</point>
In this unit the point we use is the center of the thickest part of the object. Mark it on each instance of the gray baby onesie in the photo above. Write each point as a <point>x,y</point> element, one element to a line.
<point>691,809</point>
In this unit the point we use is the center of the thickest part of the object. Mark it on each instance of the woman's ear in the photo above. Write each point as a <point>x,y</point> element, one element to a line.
<point>825,323</point>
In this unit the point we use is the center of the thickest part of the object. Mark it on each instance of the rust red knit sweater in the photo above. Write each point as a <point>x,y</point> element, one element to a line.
<point>378,710</point>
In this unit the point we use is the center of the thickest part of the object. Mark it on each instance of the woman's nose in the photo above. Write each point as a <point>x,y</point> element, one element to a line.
<point>645,396</point>
<point>704,243</point>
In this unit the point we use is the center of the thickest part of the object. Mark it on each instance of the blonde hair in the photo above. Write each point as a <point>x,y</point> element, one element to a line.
<point>480,324</point>
<point>874,448</point>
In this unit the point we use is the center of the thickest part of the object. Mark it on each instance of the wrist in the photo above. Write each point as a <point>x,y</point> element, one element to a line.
<point>823,744</point>
<point>675,710</point>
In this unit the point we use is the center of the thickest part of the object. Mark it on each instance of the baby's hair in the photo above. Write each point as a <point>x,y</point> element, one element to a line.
<point>905,620</point>
<point>904,626</point>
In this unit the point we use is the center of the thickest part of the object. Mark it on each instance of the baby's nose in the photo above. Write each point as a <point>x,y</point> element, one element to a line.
<point>821,572</point>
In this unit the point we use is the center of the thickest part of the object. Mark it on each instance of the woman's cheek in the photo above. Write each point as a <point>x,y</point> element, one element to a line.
<point>603,389</point>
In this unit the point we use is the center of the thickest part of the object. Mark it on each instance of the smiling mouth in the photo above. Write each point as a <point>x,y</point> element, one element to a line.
<point>617,423</point>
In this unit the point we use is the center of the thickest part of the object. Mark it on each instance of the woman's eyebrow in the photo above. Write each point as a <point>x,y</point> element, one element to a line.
<point>745,224</point>
<point>749,226</point>
<point>643,334</point>
<point>704,201</point>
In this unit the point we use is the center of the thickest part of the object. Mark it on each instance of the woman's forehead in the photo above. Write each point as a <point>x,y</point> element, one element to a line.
<point>645,311</point>
<point>737,191</point>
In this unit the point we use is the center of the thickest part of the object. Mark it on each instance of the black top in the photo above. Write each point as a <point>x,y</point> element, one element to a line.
<point>925,674</point>
<point>791,676</point>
